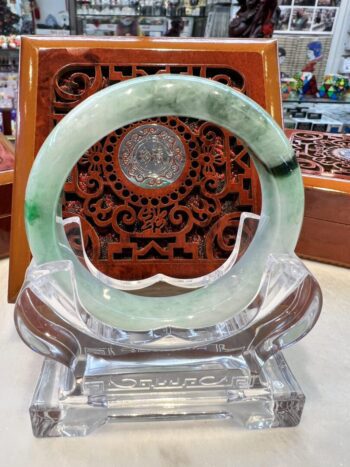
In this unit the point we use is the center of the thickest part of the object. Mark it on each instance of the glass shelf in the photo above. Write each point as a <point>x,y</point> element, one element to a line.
<point>314,100</point>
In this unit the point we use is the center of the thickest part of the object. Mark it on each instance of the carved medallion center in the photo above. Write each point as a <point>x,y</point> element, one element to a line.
<point>343,153</point>
<point>152,156</point>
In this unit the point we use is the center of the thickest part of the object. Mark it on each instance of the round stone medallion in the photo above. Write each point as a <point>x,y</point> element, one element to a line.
<point>152,156</point>
<point>342,153</point>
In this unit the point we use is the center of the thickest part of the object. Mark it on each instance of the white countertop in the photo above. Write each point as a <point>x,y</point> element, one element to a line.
<point>321,363</point>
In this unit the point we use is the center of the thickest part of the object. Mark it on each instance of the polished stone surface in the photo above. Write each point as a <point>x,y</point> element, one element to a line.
<point>321,363</point>
<point>162,95</point>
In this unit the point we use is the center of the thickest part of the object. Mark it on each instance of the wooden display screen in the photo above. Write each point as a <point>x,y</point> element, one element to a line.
<point>184,227</point>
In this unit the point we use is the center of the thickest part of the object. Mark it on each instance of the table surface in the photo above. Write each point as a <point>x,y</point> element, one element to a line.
<point>321,363</point>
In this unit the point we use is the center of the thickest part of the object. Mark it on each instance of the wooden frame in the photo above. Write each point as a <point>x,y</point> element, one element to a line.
<point>40,56</point>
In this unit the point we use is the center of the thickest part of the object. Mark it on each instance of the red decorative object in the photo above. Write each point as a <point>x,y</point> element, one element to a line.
<point>255,18</point>
<point>129,220</point>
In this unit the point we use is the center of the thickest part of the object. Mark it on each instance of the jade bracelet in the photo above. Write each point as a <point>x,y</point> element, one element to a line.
<point>155,96</point>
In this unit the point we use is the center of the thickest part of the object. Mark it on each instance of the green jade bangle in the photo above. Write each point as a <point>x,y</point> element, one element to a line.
<point>155,96</point>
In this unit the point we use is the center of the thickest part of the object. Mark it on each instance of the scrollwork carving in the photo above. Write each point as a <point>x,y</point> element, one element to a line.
<point>323,154</point>
<point>145,205</point>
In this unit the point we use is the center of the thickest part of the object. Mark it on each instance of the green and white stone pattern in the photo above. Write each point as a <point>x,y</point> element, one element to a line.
<point>155,96</point>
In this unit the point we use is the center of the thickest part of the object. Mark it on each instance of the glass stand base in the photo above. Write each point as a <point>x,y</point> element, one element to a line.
<point>173,386</point>
<point>94,373</point>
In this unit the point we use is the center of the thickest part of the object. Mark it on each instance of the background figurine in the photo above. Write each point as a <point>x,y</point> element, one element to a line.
<point>290,88</point>
<point>177,26</point>
<point>128,26</point>
<point>308,84</point>
<point>334,86</point>
<point>314,55</point>
<point>255,18</point>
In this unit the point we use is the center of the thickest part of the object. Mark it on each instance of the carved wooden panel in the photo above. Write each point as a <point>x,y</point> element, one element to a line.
<point>325,162</point>
<point>135,224</point>
<point>322,154</point>
<point>186,236</point>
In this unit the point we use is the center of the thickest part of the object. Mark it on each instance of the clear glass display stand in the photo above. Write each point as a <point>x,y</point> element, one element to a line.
<point>94,374</point>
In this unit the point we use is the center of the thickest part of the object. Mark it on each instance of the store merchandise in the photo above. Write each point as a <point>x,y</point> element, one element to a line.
<point>187,243</point>
<point>306,53</point>
<point>334,87</point>
<point>51,17</point>
<point>313,21</point>
<point>168,87</point>
<point>147,17</point>
<point>287,298</point>
<point>308,16</point>
<point>166,240</point>
<point>307,84</point>
<point>255,18</point>
<point>8,86</point>
<point>180,27</point>
<point>290,88</point>
<point>204,214</point>
<point>143,7</point>
<point>173,196</point>
<point>10,42</point>
<point>322,116</point>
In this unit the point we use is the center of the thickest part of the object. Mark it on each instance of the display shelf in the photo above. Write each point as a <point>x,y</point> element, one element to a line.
<point>315,100</point>
<point>137,15</point>
<point>194,18</point>
<point>317,115</point>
